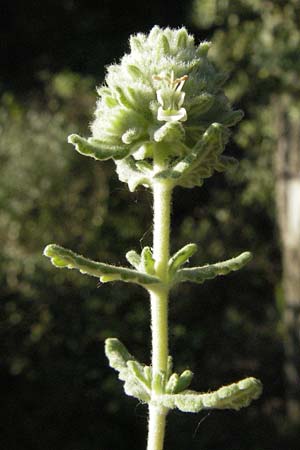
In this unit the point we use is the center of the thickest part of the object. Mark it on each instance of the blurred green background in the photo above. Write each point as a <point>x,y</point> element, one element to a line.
<point>57,391</point>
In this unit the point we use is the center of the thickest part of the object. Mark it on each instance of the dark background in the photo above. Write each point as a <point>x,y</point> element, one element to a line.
<point>57,391</point>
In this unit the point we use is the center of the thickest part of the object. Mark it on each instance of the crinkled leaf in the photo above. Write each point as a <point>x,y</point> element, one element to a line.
<point>130,370</point>
<point>207,272</point>
<point>184,381</point>
<point>172,384</point>
<point>62,257</point>
<point>133,258</point>
<point>97,149</point>
<point>117,354</point>
<point>169,132</point>
<point>158,382</point>
<point>178,383</point>
<point>181,257</point>
<point>132,135</point>
<point>201,104</point>
<point>147,261</point>
<point>201,161</point>
<point>234,396</point>
<point>129,173</point>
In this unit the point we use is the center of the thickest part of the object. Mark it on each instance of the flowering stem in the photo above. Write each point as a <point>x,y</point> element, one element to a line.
<point>162,192</point>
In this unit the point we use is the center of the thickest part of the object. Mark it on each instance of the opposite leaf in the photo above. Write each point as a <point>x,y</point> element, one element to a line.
<point>202,159</point>
<point>96,149</point>
<point>200,274</point>
<point>181,257</point>
<point>129,172</point>
<point>62,257</point>
<point>134,375</point>
<point>235,396</point>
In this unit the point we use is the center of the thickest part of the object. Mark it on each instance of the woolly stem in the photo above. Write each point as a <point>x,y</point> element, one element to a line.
<point>162,192</point>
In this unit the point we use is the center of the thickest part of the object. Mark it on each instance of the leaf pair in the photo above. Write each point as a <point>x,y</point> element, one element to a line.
<point>144,264</point>
<point>169,391</point>
<point>139,380</point>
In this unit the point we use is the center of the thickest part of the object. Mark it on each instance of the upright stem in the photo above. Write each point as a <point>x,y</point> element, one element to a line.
<point>159,296</point>
<point>162,192</point>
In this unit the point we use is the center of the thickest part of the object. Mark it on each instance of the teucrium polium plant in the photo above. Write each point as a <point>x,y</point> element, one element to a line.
<point>163,118</point>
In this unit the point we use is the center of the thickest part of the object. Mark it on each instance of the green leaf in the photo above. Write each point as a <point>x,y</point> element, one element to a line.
<point>137,370</point>
<point>203,48</point>
<point>97,149</point>
<point>117,354</point>
<point>178,383</point>
<point>172,384</point>
<point>181,257</point>
<point>184,381</point>
<point>129,173</point>
<point>62,257</point>
<point>234,396</point>
<point>147,261</point>
<point>207,272</point>
<point>134,71</point>
<point>169,132</point>
<point>201,160</point>
<point>130,371</point>
<point>133,258</point>
<point>201,104</point>
<point>131,135</point>
<point>158,382</point>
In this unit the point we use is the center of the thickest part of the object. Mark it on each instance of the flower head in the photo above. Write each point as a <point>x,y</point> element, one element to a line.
<point>163,94</point>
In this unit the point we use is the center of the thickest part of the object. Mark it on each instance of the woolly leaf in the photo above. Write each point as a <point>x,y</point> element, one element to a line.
<point>203,156</point>
<point>201,104</point>
<point>133,258</point>
<point>170,131</point>
<point>137,370</point>
<point>117,354</point>
<point>234,396</point>
<point>172,384</point>
<point>158,382</point>
<point>181,257</point>
<point>67,258</point>
<point>129,173</point>
<point>96,149</point>
<point>207,272</point>
<point>130,370</point>
<point>147,261</point>
<point>134,71</point>
<point>184,381</point>
<point>131,135</point>
<point>203,48</point>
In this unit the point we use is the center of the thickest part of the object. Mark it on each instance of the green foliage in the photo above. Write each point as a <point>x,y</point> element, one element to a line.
<point>200,274</point>
<point>62,257</point>
<point>170,392</point>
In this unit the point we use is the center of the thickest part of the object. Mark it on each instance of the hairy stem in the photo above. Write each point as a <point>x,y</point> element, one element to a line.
<point>157,425</point>
<point>162,193</point>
